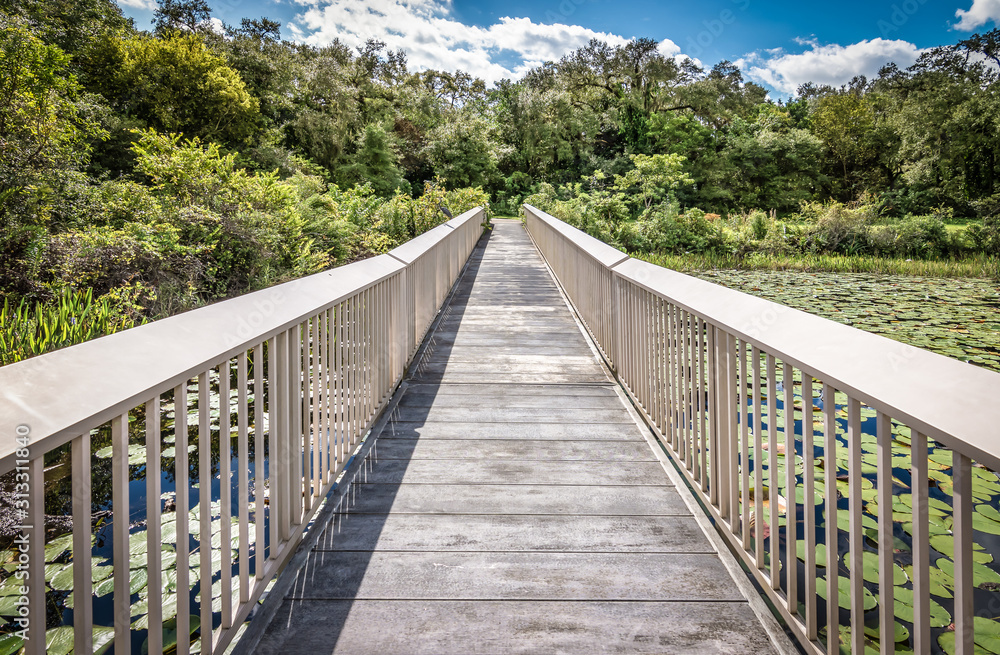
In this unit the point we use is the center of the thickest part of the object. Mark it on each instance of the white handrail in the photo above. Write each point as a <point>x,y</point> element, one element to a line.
<point>299,371</point>
<point>708,367</point>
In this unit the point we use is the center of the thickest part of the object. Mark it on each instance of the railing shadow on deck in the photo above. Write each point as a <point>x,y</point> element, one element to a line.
<point>351,534</point>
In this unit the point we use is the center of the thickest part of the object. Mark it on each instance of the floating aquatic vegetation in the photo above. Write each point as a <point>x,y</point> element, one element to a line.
<point>959,318</point>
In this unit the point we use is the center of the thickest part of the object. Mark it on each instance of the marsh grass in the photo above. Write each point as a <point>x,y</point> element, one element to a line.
<point>971,266</point>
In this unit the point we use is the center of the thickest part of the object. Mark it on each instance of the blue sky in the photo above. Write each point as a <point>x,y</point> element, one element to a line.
<point>778,44</point>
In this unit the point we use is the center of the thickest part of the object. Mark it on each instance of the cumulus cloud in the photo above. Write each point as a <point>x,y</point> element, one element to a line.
<point>432,38</point>
<point>980,13</point>
<point>826,64</point>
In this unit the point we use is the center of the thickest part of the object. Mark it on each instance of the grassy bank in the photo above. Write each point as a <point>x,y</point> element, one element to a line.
<point>971,266</point>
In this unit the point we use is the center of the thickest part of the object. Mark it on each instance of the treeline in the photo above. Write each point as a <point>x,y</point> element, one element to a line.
<point>169,167</point>
<point>143,173</point>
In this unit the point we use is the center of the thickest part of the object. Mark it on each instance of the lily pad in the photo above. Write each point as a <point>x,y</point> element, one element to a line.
<point>981,574</point>
<point>170,634</point>
<point>844,593</point>
<point>903,607</point>
<point>871,568</point>
<point>987,637</point>
<point>902,633</point>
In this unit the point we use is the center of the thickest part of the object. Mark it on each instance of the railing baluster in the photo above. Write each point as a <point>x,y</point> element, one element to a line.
<point>809,505</point>
<point>700,373</point>
<point>339,369</point>
<point>225,495</point>
<point>120,524</point>
<point>964,585</point>
<point>205,510</point>
<point>706,430</point>
<point>832,527</point>
<point>857,530</point>
<point>154,552</point>
<point>680,442</point>
<point>718,410</point>
<point>35,531</point>
<point>314,435</point>
<point>83,612</point>
<point>772,469</point>
<point>300,419</point>
<point>259,446</point>
<point>887,618</point>
<point>921,544</point>
<point>654,345</point>
<point>758,463</point>
<point>323,400</point>
<point>277,437</point>
<point>243,474</point>
<point>744,445</point>
<point>791,484</point>
<point>728,419</point>
<point>183,502</point>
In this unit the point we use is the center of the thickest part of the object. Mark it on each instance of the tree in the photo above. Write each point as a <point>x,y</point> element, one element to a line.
<point>462,152</point>
<point>374,162</point>
<point>176,84</point>
<point>41,131</point>
<point>181,15</point>
<point>769,164</point>
<point>844,121</point>
<point>655,177</point>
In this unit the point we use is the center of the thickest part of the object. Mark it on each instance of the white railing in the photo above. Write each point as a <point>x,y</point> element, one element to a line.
<point>304,367</point>
<point>706,365</point>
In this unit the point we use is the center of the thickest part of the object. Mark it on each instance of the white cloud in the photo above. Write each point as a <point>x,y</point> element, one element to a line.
<point>432,38</point>
<point>826,64</point>
<point>980,13</point>
<point>145,5</point>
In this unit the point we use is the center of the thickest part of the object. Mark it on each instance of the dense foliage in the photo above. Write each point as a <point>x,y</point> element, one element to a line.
<point>167,168</point>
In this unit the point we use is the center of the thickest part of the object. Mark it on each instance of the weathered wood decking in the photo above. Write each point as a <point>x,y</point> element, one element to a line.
<point>512,504</point>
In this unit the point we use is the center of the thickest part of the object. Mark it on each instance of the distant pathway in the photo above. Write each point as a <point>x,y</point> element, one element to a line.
<point>514,505</point>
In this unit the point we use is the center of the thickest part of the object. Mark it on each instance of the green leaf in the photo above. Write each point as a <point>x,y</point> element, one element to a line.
<point>170,634</point>
<point>903,606</point>
<point>10,644</point>
<point>844,593</point>
<point>981,573</point>
<point>871,568</point>
<point>902,633</point>
<point>987,637</point>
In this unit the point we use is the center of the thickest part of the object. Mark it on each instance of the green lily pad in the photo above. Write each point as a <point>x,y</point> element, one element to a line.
<point>170,634</point>
<point>10,644</point>
<point>987,637</point>
<point>59,641</point>
<point>902,633</point>
<point>844,593</point>
<point>871,568</point>
<point>903,607</point>
<point>981,574</point>
<point>800,550</point>
<point>945,544</point>
<point>136,454</point>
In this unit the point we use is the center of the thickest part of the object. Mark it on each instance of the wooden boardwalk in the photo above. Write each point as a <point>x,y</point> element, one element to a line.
<point>512,504</point>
